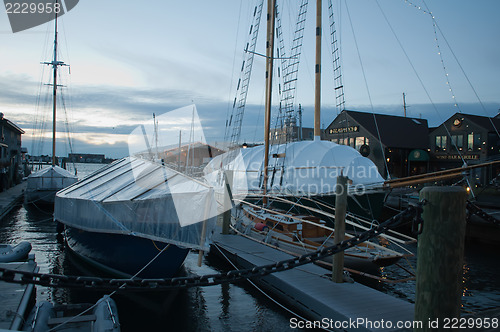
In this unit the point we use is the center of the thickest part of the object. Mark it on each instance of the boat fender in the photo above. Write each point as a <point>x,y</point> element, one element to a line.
<point>261,227</point>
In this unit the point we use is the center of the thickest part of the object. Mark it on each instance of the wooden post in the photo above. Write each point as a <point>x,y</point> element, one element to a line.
<point>340,211</point>
<point>226,216</point>
<point>440,256</point>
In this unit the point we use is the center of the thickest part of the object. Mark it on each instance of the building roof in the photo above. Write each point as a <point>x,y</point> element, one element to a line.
<point>395,131</point>
<point>12,125</point>
<point>482,121</point>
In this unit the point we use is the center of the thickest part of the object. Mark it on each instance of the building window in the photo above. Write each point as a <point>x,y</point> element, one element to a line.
<point>440,143</point>
<point>477,142</point>
<point>457,141</point>
<point>352,142</point>
<point>359,141</point>
<point>470,141</point>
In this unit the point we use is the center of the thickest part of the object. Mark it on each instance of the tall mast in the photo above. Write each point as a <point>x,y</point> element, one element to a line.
<point>54,96</point>
<point>317,75</point>
<point>271,8</point>
<point>54,65</point>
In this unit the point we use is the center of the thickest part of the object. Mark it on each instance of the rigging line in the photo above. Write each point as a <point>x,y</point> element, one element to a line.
<point>368,90</point>
<point>419,79</point>
<point>228,109</point>
<point>463,71</point>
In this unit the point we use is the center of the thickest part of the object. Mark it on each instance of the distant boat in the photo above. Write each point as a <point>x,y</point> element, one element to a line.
<point>43,185</point>
<point>136,217</point>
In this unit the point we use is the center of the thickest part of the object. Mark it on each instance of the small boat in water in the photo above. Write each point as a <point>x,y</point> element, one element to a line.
<point>301,234</point>
<point>10,253</point>
<point>100,317</point>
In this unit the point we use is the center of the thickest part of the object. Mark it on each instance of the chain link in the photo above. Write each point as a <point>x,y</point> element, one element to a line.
<point>107,284</point>
<point>474,209</point>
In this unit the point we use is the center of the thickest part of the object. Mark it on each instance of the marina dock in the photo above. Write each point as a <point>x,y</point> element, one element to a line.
<point>309,290</point>
<point>16,298</point>
<point>10,198</point>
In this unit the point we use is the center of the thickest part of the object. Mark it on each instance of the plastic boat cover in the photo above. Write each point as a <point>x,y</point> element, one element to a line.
<point>140,198</point>
<point>298,168</point>
<point>50,178</point>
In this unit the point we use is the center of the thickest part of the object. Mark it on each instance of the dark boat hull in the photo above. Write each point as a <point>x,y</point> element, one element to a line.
<point>125,255</point>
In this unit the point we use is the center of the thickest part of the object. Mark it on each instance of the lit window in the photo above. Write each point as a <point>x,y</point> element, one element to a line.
<point>470,141</point>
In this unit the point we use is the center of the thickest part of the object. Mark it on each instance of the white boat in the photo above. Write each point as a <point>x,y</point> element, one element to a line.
<point>101,317</point>
<point>136,217</point>
<point>43,184</point>
<point>10,253</point>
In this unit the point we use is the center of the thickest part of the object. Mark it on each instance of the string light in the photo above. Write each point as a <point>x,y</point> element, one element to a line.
<point>434,27</point>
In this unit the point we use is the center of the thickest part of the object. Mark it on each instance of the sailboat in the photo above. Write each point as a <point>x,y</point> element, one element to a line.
<point>302,169</point>
<point>43,185</point>
<point>288,204</point>
<point>136,217</point>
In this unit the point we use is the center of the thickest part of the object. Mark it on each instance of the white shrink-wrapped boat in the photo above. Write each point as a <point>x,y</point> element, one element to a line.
<point>136,217</point>
<point>43,185</point>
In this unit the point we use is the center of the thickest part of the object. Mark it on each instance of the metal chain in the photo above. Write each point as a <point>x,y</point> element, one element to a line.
<point>474,209</point>
<point>107,284</point>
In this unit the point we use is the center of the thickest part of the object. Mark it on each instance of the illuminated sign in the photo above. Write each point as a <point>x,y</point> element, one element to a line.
<point>342,130</point>
<point>457,157</point>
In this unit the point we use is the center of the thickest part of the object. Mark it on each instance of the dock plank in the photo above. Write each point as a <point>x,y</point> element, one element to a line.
<point>11,197</point>
<point>308,290</point>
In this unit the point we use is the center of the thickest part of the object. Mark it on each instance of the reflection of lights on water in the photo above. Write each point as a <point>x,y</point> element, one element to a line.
<point>465,279</point>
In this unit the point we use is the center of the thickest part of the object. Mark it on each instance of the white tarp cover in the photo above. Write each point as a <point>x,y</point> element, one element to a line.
<point>142,198</point>
<point>301,168</point>
<point>50,178</point>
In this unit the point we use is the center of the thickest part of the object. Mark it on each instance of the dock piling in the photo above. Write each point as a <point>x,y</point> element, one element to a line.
<point>440,256</point>
<point>340,212</point>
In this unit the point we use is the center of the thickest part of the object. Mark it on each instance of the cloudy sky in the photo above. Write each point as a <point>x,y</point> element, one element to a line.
<point>129,60</point>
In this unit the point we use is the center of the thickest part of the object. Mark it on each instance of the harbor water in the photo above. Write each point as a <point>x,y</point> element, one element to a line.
<point>227,307</point>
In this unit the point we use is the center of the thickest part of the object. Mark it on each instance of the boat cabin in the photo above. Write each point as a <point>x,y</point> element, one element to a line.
<point>302,225</point>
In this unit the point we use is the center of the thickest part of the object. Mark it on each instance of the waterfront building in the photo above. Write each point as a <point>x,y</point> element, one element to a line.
<point>395,144</point>
<point>10,153</point>
<point>465,138</point>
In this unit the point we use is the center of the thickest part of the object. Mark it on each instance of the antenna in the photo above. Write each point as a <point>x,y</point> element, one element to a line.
<point>404,104</point>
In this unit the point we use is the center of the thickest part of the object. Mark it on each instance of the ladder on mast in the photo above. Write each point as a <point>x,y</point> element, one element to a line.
<point>337,74</point>
<point>233,126</point>
<point>286,123</point>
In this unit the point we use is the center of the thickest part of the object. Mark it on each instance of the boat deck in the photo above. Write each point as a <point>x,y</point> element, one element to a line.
<point>309,290</point>
<point>15,298</point>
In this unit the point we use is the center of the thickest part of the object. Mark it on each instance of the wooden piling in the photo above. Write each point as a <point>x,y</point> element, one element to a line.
<point>440,256</point>
<point>226,216</point>
<point>340,212</point>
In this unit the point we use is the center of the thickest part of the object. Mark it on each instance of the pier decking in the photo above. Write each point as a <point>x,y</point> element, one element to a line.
<point>15,298</point>
<point>10,197</point>
<point>308,290</point>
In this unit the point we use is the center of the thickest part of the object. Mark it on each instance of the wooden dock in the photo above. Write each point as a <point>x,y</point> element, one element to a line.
<point>11,197</point>
<point>308,290</point>
<point>15,299</point>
